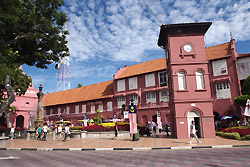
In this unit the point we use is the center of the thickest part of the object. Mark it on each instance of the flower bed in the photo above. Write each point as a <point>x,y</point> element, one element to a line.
<point>242,130</point>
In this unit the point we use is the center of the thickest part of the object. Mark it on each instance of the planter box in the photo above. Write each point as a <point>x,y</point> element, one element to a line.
<point>3,141</point>
<point>107,134</point>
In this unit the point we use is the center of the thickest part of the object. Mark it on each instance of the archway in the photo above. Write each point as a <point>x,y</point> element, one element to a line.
<point>195,116</point>
<point>3,121</point>
<point>19,121</point>
<point>144,119</point>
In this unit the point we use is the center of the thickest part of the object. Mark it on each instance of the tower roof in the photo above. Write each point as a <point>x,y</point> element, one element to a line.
<point>181,29</point>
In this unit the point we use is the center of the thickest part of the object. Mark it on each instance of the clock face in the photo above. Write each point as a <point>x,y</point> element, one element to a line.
<point>187,48</point>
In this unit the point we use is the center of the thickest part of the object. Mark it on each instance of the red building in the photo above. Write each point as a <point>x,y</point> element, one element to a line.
<point>191,83</point>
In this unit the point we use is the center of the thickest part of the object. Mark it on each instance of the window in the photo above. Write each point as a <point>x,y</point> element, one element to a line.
<point>59,110</point>
<point>109,106</point>
<point>51,111</point>
<point>77,109</point>
<point>120,101</point>
<point>67,110</point>
<point>84,108</point>
<point>100,107</point>
<point>163,79</point>
<point>121,85</point>
<point>164,96</point>
<point>150,80</point>
<point>133,83</point>
<point>92,108</point>
<point>200,80</point>
<point>220,67</point>
<point>182,81</point>
<point>151,97</point>
<point>135,98</point>
<point>223,90</point>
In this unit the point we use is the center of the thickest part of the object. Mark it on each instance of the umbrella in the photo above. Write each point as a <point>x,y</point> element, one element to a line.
<point>226,117</point>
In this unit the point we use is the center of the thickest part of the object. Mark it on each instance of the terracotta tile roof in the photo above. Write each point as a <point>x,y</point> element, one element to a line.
<point>145,67</point>
<point>243,54</point>
<point>86,93</point>
<point>218,51</point>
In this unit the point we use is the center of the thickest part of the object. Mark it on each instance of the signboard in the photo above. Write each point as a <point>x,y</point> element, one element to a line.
<point>125,114</point>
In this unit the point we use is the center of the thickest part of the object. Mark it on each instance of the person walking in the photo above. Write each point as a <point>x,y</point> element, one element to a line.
<point>193,133</point>
<point>12,132</point>
<point>45,131</point>
<point>39,132</point>
<point>67,132</point>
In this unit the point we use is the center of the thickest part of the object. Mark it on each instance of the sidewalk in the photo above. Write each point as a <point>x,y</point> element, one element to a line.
<point>145,143</point>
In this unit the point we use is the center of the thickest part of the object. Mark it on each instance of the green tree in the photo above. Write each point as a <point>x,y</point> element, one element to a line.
<point>79,85</point>
<point>32,33</point>
<point>246,86</point>
<point>245,90</point>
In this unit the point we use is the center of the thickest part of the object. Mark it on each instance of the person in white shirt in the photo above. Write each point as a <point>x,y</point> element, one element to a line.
<point>59,131</point>
<point>12,131</point>
<point>67,132</point>
<point>193,133</point>
<point>45,131</point>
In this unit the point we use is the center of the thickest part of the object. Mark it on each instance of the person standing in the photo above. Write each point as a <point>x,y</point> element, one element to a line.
<point>167,128</point>
<point>193,133</point>
<point>39,131</point>
<point>116,130</point>
<point>147,128</point>
<point>12,131</point>
<point>67,132</point>
<point>59,131</point>
<point>45,131</point>
<point>153,128</point>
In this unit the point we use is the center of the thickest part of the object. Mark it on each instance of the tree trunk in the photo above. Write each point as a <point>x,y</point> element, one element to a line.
<point>10,99</point>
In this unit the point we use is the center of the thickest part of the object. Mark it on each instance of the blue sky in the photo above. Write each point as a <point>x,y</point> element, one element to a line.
<point>107,34</point>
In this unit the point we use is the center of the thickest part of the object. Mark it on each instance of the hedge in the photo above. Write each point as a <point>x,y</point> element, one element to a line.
<point>233,135</point>
<point>242,130</point>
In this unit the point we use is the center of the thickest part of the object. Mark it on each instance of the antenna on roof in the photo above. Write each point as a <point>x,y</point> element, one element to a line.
<point>231,35</point>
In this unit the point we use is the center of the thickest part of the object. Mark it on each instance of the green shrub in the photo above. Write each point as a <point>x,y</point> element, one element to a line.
<point>219,133</point>
<point>246,137</point>
<point>233,135</point>
<point>76,128</point>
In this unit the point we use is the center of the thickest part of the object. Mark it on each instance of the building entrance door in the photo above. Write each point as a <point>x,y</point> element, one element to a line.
<point>195,116</point>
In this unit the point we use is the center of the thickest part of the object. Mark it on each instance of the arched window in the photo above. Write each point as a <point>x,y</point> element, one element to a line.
<point>182,80</point>
<point>200,80</point>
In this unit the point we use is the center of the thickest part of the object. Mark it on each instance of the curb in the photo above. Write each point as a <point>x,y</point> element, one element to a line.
<point>125,149</point>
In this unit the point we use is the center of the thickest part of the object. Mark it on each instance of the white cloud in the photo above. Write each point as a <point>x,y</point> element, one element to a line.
<point>128,30</point>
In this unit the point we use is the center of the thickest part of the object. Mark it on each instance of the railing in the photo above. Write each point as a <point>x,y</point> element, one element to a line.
<point>153,105</point>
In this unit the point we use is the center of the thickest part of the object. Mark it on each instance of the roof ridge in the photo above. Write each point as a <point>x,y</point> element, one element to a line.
<point>146,61</point>
<point>218,45</point>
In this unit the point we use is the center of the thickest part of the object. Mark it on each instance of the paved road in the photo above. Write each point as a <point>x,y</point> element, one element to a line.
<point>198,157</point>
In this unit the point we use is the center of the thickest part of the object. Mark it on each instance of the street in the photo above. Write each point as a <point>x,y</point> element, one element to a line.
<point>195,157</point>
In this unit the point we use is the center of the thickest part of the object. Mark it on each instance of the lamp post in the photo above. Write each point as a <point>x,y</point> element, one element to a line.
<point>30,123</point>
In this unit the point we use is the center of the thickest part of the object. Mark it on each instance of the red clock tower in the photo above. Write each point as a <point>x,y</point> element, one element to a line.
<point>189,84</point>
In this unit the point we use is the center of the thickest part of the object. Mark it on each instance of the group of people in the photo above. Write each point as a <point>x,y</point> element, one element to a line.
<point>151,127</point>
<point>58,130</point>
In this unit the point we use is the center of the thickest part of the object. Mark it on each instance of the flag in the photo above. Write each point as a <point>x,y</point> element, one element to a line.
<point>247,109</point>
<point>132,109</point>
<point>114,118</point>
<point>132,123</point>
